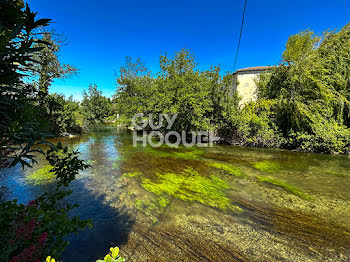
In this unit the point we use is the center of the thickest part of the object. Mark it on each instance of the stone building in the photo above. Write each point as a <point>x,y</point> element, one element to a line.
<point>245,82</point>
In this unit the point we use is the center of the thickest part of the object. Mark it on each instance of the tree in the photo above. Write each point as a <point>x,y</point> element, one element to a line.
<point>27,231</point>
<point>18,133</point>
<point>95,107</point>
<point>48,66</point>
<point>64,114</point>
<point>300,45</point>
<point>311,92</point>
<point>135,88</point>
<point>199,98</point>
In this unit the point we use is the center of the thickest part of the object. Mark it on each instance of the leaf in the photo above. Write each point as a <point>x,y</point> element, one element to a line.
<point>41,22</point>
<point>108,258</point>
<point>115,252</point>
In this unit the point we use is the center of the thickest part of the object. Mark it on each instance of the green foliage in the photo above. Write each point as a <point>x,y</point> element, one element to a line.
<point>113,256</point>
<point>24,118</point>
<point>199,98</point>
<point>30,232</point>
<point>299,45</point>
<point>257,127</point>
<point>64,114</point>
<point>95,108</point>
<point>309,93</point>
<point>48,66</point>
<point>50,259</point>
<point>18,130</point>
<point>38,229</point>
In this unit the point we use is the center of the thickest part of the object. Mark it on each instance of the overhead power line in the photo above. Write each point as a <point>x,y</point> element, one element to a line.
<point>240,36</point>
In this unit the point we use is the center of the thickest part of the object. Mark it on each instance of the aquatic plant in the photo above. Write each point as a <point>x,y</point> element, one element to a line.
<point>192,153</point>
<point>152,207</point>
<point>267,166</point>
<point>232,170</point>
<point>42,175</point>
<point>337,174</point>
<point>133,174</point>
<point>191,187</point>
<point>284,185</point>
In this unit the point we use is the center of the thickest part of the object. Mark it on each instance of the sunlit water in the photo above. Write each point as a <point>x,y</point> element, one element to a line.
<point>223,203</point>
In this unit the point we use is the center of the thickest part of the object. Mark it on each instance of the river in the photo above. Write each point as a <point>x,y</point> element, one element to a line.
<point>224,203</point>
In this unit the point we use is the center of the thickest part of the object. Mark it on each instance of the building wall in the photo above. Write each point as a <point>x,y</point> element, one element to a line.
<point>246,86</point>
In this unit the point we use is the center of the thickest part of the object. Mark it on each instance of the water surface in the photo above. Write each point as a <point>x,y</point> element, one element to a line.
<point>224,203</point>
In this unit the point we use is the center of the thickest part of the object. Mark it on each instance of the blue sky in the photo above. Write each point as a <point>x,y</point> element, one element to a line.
<point>101,33</point>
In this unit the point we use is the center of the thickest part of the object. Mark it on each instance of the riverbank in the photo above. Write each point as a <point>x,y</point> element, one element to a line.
<point>235,139</point>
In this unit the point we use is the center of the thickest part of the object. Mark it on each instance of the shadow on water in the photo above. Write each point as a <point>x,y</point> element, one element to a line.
<point>111,227</point>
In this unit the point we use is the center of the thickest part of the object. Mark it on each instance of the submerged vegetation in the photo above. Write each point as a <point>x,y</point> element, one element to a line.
<point>188,186</point>
<point>232,170</point>
<point>42,175</point>
<point>267,166</point>
<point>287,187</point>
<point>192,153</point>
<point>157,176</point>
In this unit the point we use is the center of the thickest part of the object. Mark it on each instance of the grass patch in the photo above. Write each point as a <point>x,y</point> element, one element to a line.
<point>285,186</point>
<point>232,170</point>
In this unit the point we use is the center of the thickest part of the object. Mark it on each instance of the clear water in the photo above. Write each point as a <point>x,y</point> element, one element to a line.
<point>224,203</point>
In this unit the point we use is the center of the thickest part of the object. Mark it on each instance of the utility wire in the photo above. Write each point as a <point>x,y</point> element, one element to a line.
<point>240,36</point>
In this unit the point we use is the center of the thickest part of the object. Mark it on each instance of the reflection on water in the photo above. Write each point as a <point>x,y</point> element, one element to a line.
<point>202,204</point>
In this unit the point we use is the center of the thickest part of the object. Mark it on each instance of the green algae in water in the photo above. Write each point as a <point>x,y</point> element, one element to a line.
<point>189,186</point>
<point>233,170</point>
<point>133,174</point>
<point>192,153</point>
<point>152,207</point>
<point>287,187</point>
<point>42,175</point>
<point>332,173</point>
<point>267,166</point>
